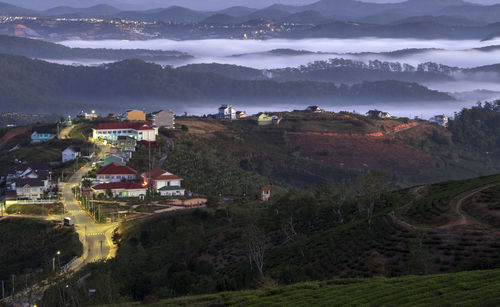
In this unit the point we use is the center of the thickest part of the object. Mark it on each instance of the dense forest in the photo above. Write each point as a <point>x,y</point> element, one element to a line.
<point>49,86</point>
<point>478,127</point>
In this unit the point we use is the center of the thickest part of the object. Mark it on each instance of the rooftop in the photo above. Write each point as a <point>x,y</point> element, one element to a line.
<point>161,174</point>
<point>133,126</point>
<point>32,182</point>
<point>171,188</point>
<point>116,169</point>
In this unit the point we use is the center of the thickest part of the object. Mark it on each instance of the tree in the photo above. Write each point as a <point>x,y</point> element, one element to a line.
<point>335,195</point>
<point>109,193</point>
<point>286,207</point>
<point>256,242</point>
<point>87,183</point>
<point>369,189</point>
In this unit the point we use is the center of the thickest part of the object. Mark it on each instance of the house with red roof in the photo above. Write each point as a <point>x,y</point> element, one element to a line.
<point>115,172</point>
<point>164,182</point>
<point>140,131</point>
<point>120,189</point>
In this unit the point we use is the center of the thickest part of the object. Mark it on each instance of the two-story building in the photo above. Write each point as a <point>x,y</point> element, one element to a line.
<point>226,112</point>
<point>441,120</point>
<point>163,119</point>
<point>134,115</point>
<point>164,182</point>
<point>115,172</point>
<point>29,188</point>
<point>140,131</point>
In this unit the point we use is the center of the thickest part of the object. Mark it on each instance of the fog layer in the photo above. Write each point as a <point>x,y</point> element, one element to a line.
<point>455,53</point>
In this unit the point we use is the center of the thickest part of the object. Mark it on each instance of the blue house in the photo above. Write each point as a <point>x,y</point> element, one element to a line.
<point>42,134</point>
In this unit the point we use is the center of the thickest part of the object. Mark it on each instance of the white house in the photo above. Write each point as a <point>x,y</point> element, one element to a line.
<point>70,154</point>
<point>121,189</point>
<point>164,182</point>
<point>141,131</point>
<point>115,172</point>
<point>379,114</point>
<point>441,120</point>
<point>227,111</point>
<point>29,188</point>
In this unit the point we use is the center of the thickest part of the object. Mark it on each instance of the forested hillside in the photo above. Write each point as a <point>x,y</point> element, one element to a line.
<point>48,86</point>
<point>46,50</point>
<point>346,229</point>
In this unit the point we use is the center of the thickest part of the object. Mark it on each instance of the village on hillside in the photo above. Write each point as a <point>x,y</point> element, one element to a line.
<point>117,185</point>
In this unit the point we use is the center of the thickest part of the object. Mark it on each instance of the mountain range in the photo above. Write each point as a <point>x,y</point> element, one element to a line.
<point>458,11</point>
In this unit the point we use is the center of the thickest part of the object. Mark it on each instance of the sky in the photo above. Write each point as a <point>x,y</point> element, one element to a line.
<point>194,4</point>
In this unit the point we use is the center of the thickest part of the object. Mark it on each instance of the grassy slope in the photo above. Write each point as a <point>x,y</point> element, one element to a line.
<point>475,288</point>
<point>298,152</point>
<point>435,208</point>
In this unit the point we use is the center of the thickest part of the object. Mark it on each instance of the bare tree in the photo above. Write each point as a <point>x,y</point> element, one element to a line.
<point>257,246</point>
<point>336,195</point>
<point>286,207</point>
<point>370,188</point>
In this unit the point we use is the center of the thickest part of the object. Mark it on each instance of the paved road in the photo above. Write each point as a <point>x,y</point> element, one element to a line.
<point>64,134</point>
<point>96,238</point>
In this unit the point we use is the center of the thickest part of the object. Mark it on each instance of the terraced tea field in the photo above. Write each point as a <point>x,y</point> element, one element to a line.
<point>475,288</point>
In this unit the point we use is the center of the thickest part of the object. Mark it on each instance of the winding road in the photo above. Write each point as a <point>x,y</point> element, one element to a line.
<point>457,202</point>
<point>96,238</point>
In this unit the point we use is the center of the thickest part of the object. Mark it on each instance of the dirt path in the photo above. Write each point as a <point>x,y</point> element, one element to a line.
<point>463,218</point>
<point>457,202</point>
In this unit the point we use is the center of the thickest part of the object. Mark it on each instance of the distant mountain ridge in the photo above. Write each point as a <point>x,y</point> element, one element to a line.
<point>345,10</point>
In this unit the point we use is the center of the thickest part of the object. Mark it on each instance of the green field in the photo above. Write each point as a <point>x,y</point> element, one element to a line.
<point>475,288</point>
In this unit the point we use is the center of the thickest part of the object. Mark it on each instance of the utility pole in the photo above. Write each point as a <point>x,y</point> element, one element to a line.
<point>101,248</point>
<point>13,289</point>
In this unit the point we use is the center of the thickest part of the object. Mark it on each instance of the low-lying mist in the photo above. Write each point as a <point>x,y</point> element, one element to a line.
<point>256,54</point>
<point>423,109</point>
<point>253,53</point>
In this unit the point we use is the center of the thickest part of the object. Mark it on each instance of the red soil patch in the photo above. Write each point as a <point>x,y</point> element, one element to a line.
<point>11,134</point>
<point>363,152</point>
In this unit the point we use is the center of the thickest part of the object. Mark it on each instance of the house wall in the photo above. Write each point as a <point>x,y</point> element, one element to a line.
<point>68,156</point>
<point>136,115</point>
<point>124,192</point>
<point>41,137</point>
<point>147,135</point>
<point>29,192</point>
<point>164,119</point>
<point>172,193</point>
<point>158,184</point>
<point>115,178</point>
